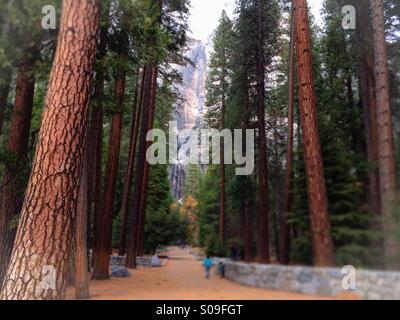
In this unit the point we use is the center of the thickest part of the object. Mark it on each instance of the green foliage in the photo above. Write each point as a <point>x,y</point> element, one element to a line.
<point>208,198</point>
<point>214,246</point>
<point>163,225</point>
<point>340,124</point>
<point>192,181</point>
<point>218,80</point>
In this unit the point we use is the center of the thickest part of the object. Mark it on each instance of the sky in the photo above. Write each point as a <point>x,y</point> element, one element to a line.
<point>206,13</point>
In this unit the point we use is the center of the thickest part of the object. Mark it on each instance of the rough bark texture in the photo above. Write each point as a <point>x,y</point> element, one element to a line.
<point>13,184</point>
<point>103,248</point>
<point>129,171</point>
<point>263,224</point>
<point>45,229</point>
<point>316,188</point>
<point>285,227</point>
<point>81,255</point>
<point>387,172</point>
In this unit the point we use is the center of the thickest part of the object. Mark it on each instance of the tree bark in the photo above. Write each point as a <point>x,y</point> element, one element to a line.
<point>132,245</point>
<point>316,187</point>
<point>143,200</point>
<point>285,227</point>
<point>387,172</point>
<point>248,255</point>
<point>104,238</point>
<point>45,229</point>
<point>263,231</point>
<point>129,171</point>
<point>96,150</point>
<point>81,255</point>
<point>13,184</point>
<point>367,86</point>
<point>222,167</point>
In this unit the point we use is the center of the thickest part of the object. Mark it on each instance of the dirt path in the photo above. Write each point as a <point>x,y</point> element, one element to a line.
<point>182,278</point>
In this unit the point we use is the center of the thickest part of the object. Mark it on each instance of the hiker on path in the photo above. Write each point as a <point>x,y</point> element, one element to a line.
<point>207,263</point>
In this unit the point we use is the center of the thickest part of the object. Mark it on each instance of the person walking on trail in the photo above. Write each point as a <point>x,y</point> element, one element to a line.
<point>207,263</point>
<point>155,261</point>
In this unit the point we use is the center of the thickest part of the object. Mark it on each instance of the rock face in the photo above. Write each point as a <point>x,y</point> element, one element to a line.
<point>189,114</point>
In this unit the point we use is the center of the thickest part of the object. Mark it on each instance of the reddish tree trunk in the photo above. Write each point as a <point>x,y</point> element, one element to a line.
<point>367,85</point>
<point>143,200</point>
<point>18,140</point>
<point>44,233</point>
<point>285,227</point>
<point>367,89</point>
<point>248,255</point>
<point>223,193</point>
<point>81,255</point>
<point>103,248</point>
<point>132,245</point>
<point>263,225</point>
<point>129,171</point>
<point>317,196</point>
<point>387,170</point>
<point>95,181</point>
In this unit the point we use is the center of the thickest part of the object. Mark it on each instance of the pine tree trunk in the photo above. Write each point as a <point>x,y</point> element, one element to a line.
<point>222,199</point>
<point>317,196</point>
<point>143,201</point>
<point>132,245</point>
<point>368,98</point>
<point>223,193</point>
<point>387,172</point>
<point>13,185</point>
<point>129,170</point>
<point>104,237</point>
<point>263,231</point>
<point>44,233</point>
<point>367,86</point>
<point>142,214</point>
<point>81,255</point>
<point>285,228</point>
<point>95,177</point>
<point>248,255</point>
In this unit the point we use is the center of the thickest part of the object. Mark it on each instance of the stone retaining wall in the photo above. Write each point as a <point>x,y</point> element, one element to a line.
<point>144,262</point>
<point>316,281</point>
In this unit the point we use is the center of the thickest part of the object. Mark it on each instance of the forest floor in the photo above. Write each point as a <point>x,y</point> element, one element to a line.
<point>182,278</point>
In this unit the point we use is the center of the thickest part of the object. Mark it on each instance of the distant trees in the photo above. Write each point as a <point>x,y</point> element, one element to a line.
<point>329,142</point>
<point>103,248</point>
<point>18,140</point>
<point>285,227</point>
<point>386,157</point>
<point>218,85</point>
<point>23,59</point>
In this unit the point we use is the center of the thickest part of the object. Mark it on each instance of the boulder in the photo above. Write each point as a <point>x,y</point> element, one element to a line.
<point>119,272</point>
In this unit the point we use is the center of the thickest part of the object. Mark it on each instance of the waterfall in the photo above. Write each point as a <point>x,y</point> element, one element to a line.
<point>189,114</point>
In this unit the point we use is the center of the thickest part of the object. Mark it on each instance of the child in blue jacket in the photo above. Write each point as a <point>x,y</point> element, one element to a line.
<point>207,263</point>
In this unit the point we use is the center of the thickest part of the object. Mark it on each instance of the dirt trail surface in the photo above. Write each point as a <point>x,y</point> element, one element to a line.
<point>182,278</point>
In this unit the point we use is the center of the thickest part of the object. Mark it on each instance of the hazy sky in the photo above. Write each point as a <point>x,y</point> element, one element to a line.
<point>205,15</point>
